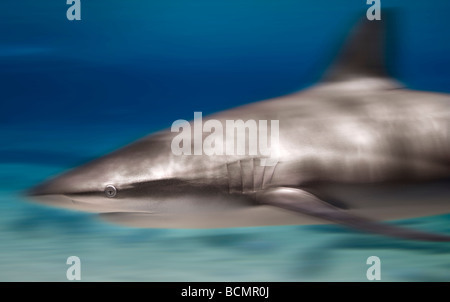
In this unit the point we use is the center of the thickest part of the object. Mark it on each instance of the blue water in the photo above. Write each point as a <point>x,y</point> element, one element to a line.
<point>73,91</point>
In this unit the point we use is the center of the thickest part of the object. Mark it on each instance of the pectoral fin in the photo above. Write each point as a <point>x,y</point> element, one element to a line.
<point>303,202</point>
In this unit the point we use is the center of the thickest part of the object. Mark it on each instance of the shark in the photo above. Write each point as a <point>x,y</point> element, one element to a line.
<point>357,148</point>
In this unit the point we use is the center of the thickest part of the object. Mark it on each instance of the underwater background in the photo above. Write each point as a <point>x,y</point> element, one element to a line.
<point>71,91</point>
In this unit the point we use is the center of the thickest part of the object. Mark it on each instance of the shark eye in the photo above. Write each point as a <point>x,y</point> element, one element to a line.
<point>110,191</point>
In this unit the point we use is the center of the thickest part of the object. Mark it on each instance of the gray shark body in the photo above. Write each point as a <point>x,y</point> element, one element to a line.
<point>354,149</point>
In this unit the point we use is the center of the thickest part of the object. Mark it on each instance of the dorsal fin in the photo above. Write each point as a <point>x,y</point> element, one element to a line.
<point>363,53</point>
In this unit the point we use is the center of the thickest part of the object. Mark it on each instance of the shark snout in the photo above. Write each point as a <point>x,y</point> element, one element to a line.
<point>72,182</point>
<point>58,191</point>
<point>49,193</point>
<point>56,200</point>
<point>76,191</point>
<point>59,185</point>
<point>47,188</point>
<point>52,193</point>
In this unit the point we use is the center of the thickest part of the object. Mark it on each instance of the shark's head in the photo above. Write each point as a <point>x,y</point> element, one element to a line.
<point>142,177</point>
